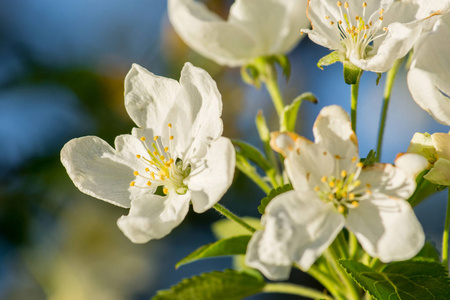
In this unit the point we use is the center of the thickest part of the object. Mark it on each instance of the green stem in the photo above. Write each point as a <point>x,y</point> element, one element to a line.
<point>445,235</point>
<point>350,287</point>
<point>352,245</point>
<point>325,280</point>
<point>289,288</point>
<point>251,173</point>
<point>272,87</point>
<point>354,102</point>
<point>221,209</point>
<point>386,98</point>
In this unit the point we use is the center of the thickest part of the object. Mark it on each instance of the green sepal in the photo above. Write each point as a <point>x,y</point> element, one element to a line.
<point>283,62</point>
<point>378,78</point>
<point>230,246</point>
<point>272,194</point>
<point>424,189</point>
<point>412,280</point>
<point>289,116</point>
<point>252,154</point>
<point>351,73</point>
<point>226,285</point>
<point>250,74</point>
<point>370,159</point>
<point>329,59</point>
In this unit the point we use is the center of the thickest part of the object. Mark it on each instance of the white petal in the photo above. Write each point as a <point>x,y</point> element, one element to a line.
<point>208,185</point>
<point>149,98</point>
<point>388,180</point>
<point>224,42</point>
<point>153,216</point>
<point>422,144</point>
<point>412,163</point>
<point>399,40</point>
<point>429,75</point>
<point>88,161</point>
<point>386,228</point>
<point>273,271</point>
<point>298,228</point>
<point>440,173</point>
<point>275,24</point>
<point>333,131</point>
<point>441,142</point>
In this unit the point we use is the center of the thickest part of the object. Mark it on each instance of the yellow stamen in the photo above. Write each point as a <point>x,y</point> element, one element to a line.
<point>364,4</point>
<point>147,170</point>
<point>355,203</point>
<point>152,175</point>
<point>316,188</point>
<point>165,191</point>
<point>155,152</point>
<point>132,183</point>
<point>359,165</point>
<point>138,156</point>
<point>341,209</point>
<point>346,4</point>
<point>381,11</point>
<point>332,184</point>
<point>339,3</point>
<point>135,173</point>
<point>351,196</point>
<point>381,18</point>
<point>170,125</point>
<point>155,138</point>
<point>143,138</point>
<point>330,196</point>
<point>162,157</point>
<point>343,173</point>
<point>149,183</point>
<point>323,179</point>
<point>171,137</point>
<point>356,183</point>
<point>368,186</point>
<point>166,149</point>
<point>369,192</point>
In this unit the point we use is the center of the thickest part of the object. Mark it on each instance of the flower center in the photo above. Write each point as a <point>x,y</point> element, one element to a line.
<point>343,190</point>
<point>162,167</point>
<point>357,34</point>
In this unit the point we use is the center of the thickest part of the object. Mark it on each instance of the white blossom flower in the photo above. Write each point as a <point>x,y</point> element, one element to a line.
<point>436,149</point>
<point>429,75</point>
<point>178,147</point>
<point>371,35</point>
<point>332,189</point>
<point>254,28</point>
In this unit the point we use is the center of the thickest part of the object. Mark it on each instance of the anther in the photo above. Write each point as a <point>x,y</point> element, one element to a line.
<point>381,11</point>
<point>330,197</point>
<point>135,173</point>
<point>162,157</point>
<point>355,203</point>
<point>147,170</point>
<point>170,125</point>
<point>368,185</point>
<point>323,179</point>
<point>317,188</point>
<point>351,196</point>
<point>155,152</point>
<point>166,149</point>
<point>359,165</point>
<point>165,191</point>
<point>171,137</point>
<point>343,173</point>
<point>143,138</point>
<point>149,183</point>
<point>346,4</point>
<point>368,192</point>
<point>155,138</point>
<point>356,183</point>
<point>339,3</point>
<point>332,184</point>
<point>138,156</point>
<point>385,28</point>
<point>341,209</point>
<point>364,4</point>
<point>327,17</point>
<point>331,23</point>
<point>132,183</point>
<point>381,18</point>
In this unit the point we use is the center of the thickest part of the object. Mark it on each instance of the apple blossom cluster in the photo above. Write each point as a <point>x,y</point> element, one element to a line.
<point>346,219</point>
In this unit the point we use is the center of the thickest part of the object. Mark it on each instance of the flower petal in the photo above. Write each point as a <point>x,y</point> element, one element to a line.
<point>389,180</point>
<point>333,131</point>
<point>224,42</point>
<point>386,228</point>
<point>149,98</point>
<point>412,163</point>
<point>90,164</point>
<point>153,216</point>
<point>298,228</point>
<point>441,142</point>
<point>208,185</point>
<point>422,144</point>
<point>440,173</point>
<point>429,75</point>
<point>196,114</point>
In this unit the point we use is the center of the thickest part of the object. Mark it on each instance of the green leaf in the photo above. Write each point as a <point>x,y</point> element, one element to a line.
<point>252,154</point>
<point>351,73</point>
<point>430,252</point>
<point>229,246</point>
<point>226,228</point>
<point>329,59</point>
<point>405,280</point>
<point>289,117</point>
<point>227,285</point>
<point>272,194</point>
